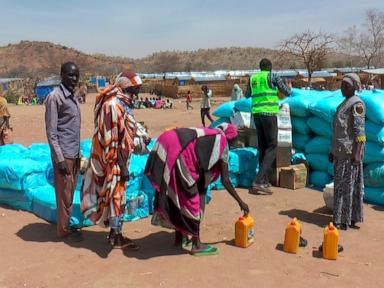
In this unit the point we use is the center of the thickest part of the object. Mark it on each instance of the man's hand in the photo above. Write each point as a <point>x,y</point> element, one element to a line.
<point>63,168</point>
<point>124,174</point>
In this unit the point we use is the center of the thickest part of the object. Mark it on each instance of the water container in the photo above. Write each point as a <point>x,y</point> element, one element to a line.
<point>292,236</point>
<point>244,231</point>
<point>331,241</point>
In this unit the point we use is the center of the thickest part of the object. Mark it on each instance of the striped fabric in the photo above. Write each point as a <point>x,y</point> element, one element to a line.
<point>103,193</point>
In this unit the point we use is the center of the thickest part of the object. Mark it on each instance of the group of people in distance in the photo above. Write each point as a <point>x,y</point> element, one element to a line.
<point>183,161</point>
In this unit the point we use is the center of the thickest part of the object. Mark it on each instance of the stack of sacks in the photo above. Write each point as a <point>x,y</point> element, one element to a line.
<point>243,165</point>
<point>224,112</point>
<point>374,151</point>
<point>27,183</point>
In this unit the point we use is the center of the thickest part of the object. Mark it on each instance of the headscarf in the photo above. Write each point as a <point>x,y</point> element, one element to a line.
<point>352,79</point>
<point>128,79</point>
<point>229,130</point>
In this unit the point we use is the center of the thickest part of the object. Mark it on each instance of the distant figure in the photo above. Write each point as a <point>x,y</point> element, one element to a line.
<point>237,93</point>
<point>205,104</point>
<point>62,121</point>
<point>263,87</point>
<point>189,100</point>
<point>82,94</point>
<point>4,120</point>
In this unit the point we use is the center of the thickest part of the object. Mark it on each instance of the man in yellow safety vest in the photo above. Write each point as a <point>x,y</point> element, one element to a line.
<point>263,88</point>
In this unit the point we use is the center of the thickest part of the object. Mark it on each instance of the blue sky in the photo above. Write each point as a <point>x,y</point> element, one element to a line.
<point>139,28</point>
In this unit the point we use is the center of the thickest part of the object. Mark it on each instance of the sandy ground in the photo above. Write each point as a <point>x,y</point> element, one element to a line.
<point>30,255</point>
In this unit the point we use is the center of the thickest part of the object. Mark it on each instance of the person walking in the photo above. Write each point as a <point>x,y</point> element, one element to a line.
<point>263,88</point>
<point>189,100</point>
<point>237,92</point>
<point>205,104</point>
<point>62,120</point>
<point>347,153</point>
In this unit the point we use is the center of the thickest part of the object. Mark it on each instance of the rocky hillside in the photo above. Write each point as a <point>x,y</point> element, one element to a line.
<point>41,59</point>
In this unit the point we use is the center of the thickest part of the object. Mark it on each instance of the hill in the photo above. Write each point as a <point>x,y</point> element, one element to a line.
<point>41,59</point>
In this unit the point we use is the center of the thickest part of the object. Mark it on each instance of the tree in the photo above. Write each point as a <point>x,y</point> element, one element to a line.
<point>167,62</point>
<point>347,43</point>
<point>311,47</point>
<point>371,39</point>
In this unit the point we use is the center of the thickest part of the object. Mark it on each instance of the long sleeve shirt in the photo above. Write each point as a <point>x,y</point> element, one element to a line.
<point>206,99</point>
<point>62,122</point>
<point>274,81</point>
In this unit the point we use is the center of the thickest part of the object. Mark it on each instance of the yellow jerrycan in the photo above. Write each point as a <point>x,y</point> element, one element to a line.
<point>292,236</point>
<point>330,243</point>
<point>244,231</point>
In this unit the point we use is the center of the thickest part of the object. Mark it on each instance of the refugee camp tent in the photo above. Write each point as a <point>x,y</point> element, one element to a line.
<point>45,87</point>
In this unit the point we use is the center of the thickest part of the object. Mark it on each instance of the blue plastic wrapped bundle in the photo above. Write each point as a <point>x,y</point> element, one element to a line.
<point>137,206</point>
<point>319,178</point>
<point>17,199</point>
<point>300,140</point>
<point>373,153</point>
<point>217,185</point>
<point>234,163</point>
<point>300,100</point>
<point>374,195</point>
<point>12,151</point>
<point>225,110</point>
<point>374,103</point>
<point>318,144</point>
<point>318,161</point>
<point>320,127</point>
<point>243,105</point>
<point>44,206</point>
<point>248,159</point>
<point>22,174</point>
<point>245,179</point>
<point>298,157</point>
<point>374,175</point>
<point>219,121</point>
<point>38,152</point>
<point>85,147</point>
<point>325,107</point>
<point>299,125</point>
<point>374,132</point>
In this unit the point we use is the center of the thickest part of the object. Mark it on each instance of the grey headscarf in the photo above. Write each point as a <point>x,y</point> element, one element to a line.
<point>353,79</point>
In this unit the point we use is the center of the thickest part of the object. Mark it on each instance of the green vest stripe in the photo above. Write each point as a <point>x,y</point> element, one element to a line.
<point>264,98</point>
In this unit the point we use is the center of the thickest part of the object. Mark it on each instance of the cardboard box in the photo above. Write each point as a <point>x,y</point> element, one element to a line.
<point>293,177</point>
<point>274,177</point>
<point>251,137</point>
<point>283,156</point>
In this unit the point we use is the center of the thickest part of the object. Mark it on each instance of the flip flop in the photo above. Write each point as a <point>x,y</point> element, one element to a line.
<point>211,250</point>
<point>186,243</point>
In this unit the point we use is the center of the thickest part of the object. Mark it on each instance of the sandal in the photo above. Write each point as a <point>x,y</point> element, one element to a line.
<point>121,242</point>
<point>209,251</point>
<point>186,242</point>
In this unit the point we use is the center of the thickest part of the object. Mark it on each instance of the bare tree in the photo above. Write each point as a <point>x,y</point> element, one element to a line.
<point>167,62</point>
<point>311,47</point>
<point>347,43</point>
<point>371,39</point>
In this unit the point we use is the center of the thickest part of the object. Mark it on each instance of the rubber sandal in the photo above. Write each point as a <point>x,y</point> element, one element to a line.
<point>186,243</point>
<point>211,250</point>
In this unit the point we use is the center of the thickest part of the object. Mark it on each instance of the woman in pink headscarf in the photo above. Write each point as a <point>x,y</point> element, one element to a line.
<point>183,162</point>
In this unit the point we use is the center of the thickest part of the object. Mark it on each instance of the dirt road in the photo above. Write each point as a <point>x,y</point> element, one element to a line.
<point>30,256</point>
